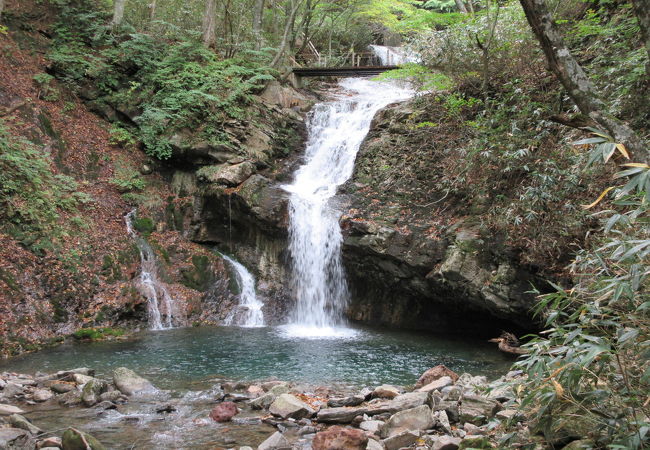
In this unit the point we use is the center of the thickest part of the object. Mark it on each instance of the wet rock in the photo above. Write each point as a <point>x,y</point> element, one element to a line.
<point>275,442</point>
<point>74,439</point>
<point>340,415</point>
<point>62,388</point>
<point>12,389</point>
<point>436,385</point>
<point>289,406</point>
<point>229,175</point>
<point>81,379</point>
<point>13,438</point>
<point>446,443</point>
<point>165,409</point>
<point>72,398</point>
<point>103,406</point>
<point>385,391</point>
<point>435,373</point>
<point>255,391</point>
<point>371,426</point>
<point>401,440</point>
<point>61,374</point>
<point>113,396</point>
<point>477,410</point>
<point>7,410</point>
<point>340,438</point>
<point>19,421</point>
<point>42,395</point>
<point>416,419</point>
<point>91,391</point>
<point>353,400</point>
<point>224,412</point>
<point>129,383</point>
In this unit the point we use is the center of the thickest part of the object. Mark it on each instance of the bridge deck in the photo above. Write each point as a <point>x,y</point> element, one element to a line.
<point>362,71</point>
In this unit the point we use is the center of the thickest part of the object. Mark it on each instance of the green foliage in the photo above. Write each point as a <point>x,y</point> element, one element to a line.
<point>32,197</point>
<point>144,225</point>
<point>48,91</point>
<point>121,136</point>
<point>419,77</point>
<point>127,179</point>
<point>96,334</point>
<point>593,361</point>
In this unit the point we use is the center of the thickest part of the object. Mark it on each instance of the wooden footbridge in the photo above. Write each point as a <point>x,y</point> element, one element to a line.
<point>348,65</point>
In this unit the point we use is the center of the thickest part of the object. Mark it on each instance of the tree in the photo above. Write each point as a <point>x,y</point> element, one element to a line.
<point>293,7</point>
<point>258,15</point>
<point>210,23</point>
<point>2,7</point>
<point>642,11</point>
<point>118,12</point>
<point>569,72</point>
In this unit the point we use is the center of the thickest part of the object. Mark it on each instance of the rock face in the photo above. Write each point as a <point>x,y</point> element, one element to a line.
<point>288,406</point>
<point>340,438</point>
<point>129,383</point>
<point>224,412</point>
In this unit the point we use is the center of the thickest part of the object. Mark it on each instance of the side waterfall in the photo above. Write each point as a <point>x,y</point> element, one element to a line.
<point>161,307</point>
<point>249,311</point>
<point>336,130</point>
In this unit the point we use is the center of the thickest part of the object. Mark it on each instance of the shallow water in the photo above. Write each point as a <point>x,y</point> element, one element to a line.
<point>182,357</point>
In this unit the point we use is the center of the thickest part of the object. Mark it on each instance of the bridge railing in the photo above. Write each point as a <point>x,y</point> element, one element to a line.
<point>350,59</point>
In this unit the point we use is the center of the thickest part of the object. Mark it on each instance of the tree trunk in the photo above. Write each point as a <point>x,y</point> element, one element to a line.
<point>642,11</point>
<point>575,81</point>
<point>118,12</point>
<point>2,7</point>
<point>210,23</point>
<point>461,6</point>
<point>294,6</point>
<point>152,10</point>
<point>258,15</point>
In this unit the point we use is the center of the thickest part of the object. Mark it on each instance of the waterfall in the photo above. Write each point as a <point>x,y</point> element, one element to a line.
<point>249,311</point>
<point>161,307</point>
<point>336,130</point>
<point>393,56</point>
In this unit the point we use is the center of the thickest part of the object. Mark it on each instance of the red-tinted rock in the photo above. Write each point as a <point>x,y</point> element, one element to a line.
<point>340,438</point>
<point>435,373</point>
<point>224,412</point>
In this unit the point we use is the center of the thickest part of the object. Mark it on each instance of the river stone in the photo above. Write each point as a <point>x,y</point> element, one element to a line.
<point>446,443</point>
<point>441,420</point>
<point>255,390</point>
<point>340,415</point>
<point>275,442</point>
<point>7,410</point>
<point>53,441</point>
<point>385,391</point>
<point>13,438</point>
<point>72,398</point>
<point>401,440</point>
<point>42,395</point>
<point>374,445</point>
<point>80,378</point>
<point>353,400</point>
<point>340,438</point>
<point>91,392</point>
<point>62,388</point>
<point>19,421</point>
<point>436,385</point>
<point>112,396</point>
<point>417,419</point>
<point>13,389</point>
<point>288,406</point>
<point>371,426</point>
<point>472,382</point>
<point>224,412</point>
<point>435,373</point>
<point>477,410</point>
<point>74,439</point>
<point>265,401</point>
<point>129,383</point>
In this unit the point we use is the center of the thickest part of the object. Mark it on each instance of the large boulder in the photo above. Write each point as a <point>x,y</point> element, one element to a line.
<point>14,438</point>
<point>401,440</point>
<point>91,391</point>
<point>434,374</point>
<point>436,385</point>
<point>416,419</point>
<point>226,174</point>
<point>224,412</point>
<point>288,406</point>
<point>42,395</point>
<point>19,421</point>
<point>266,400</point>
<point>129,383</point>
<point>74,439</point>
<point>340,438</point>
<point>385,391</point>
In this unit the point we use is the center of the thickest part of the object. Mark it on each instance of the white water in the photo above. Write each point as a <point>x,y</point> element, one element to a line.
<point>336,130</point>
<point>393,56</point>
<point>161,307</point>
<point>249,311</point>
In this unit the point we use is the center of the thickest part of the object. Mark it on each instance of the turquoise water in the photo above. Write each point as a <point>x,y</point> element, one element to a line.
<point>178,357</point>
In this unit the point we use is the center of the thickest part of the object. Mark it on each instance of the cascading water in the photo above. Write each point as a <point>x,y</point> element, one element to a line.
<point>336,131</point>
<point>161,307</point>
<point>249,311</point>
<point>393,56</point>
